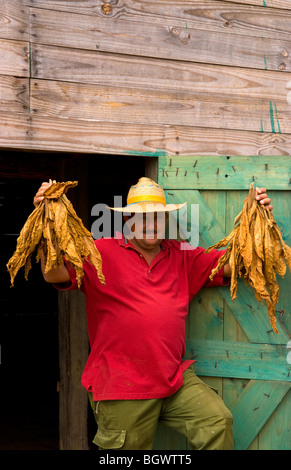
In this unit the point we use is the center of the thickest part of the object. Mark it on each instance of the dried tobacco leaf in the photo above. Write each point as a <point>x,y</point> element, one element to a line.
<point>256,252</point>
<point>54,228</point>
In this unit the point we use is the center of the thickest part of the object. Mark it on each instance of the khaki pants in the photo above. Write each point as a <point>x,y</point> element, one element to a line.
<point>195,410</point>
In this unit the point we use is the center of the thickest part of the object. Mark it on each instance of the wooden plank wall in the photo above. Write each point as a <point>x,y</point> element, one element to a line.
<point>152,77</point>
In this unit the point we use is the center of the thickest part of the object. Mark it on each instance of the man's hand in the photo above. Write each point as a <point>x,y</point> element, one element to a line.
<point>39,195</point>
<point>263,198</point>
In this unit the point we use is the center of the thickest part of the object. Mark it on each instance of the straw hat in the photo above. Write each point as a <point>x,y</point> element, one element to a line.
<point>147,196</point>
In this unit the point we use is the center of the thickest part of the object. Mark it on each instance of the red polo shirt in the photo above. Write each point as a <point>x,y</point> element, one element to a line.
<point>136,322</point>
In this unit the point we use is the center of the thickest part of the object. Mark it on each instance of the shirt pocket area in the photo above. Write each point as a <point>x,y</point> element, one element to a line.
<point>109,438</point>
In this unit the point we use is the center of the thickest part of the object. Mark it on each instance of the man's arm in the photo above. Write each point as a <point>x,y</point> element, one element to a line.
<point>55,276</point>
<point>262,198</point>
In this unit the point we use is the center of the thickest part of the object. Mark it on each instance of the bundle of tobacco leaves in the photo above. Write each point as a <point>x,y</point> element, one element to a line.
<point>55,229</point>
<point>255,252</point>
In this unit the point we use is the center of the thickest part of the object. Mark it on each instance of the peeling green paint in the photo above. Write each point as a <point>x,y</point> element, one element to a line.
<point>157,153</point>
<point>262,128</point>
<point>264,3</point>
<point>278,123</point>
<point>272,117</point>
<point>265,62</point>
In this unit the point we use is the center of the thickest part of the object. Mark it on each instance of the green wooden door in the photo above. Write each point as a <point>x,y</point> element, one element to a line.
<point>236,349</point>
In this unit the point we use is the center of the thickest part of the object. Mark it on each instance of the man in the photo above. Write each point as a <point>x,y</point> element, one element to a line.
<point>135,373</point>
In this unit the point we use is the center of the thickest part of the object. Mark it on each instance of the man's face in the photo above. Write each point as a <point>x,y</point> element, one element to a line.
<point>148,230</point>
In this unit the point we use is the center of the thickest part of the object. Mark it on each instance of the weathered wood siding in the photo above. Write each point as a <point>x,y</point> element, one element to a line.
<point>146,77</point>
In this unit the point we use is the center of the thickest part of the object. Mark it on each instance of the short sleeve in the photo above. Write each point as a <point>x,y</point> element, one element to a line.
<point>71,285</point>
<point>200,266</point>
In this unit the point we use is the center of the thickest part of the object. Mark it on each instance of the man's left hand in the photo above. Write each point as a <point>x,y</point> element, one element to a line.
<point>263,198</point>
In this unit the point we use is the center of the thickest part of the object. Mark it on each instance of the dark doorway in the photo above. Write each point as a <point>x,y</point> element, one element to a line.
<point>29,369</point>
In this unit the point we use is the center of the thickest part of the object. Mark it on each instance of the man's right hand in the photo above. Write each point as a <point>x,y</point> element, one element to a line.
<point>39,195</point>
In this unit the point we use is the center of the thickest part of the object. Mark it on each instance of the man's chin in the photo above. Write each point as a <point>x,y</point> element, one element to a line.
<point>152,241</point>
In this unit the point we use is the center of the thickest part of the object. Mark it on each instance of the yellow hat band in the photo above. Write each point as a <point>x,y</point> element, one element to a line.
<point>146,198</point>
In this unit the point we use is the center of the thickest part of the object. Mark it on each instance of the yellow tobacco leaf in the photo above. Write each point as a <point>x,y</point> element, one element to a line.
<point>259,230</point>
<point>222,242</point>
<point>234,263</point>
<point>27,242</point>
<point>223,260</point>
<point>287,254</point>
<point>278,254</point>
<point>256,252</point>
<point>55,229</point>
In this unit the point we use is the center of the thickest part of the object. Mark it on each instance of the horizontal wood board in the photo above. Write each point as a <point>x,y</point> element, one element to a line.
<point>222,107</point>
<point>14,20</point>
<point>159,39</point>
<point>240,360</point>
<point>155,107</point>
<point>66,135</point>
<point>14,58</point>
<point>14,95</point>
<point>74,65</point>
<point>225,172</point>
<point>170,8</point>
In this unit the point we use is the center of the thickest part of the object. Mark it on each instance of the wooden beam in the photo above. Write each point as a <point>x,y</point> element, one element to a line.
<point>73,399</point>
<point>239,359</point>
<point>73,335</point>
<point>151,168</point>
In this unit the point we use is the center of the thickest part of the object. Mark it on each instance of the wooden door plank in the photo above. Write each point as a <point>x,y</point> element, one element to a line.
<point>158,39</point>
<point>239,359</point>
<point>255,405</point>
<point>206,311</point>
<point>225,172</point>
<point>276,434</point>
<point>251,315</point>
